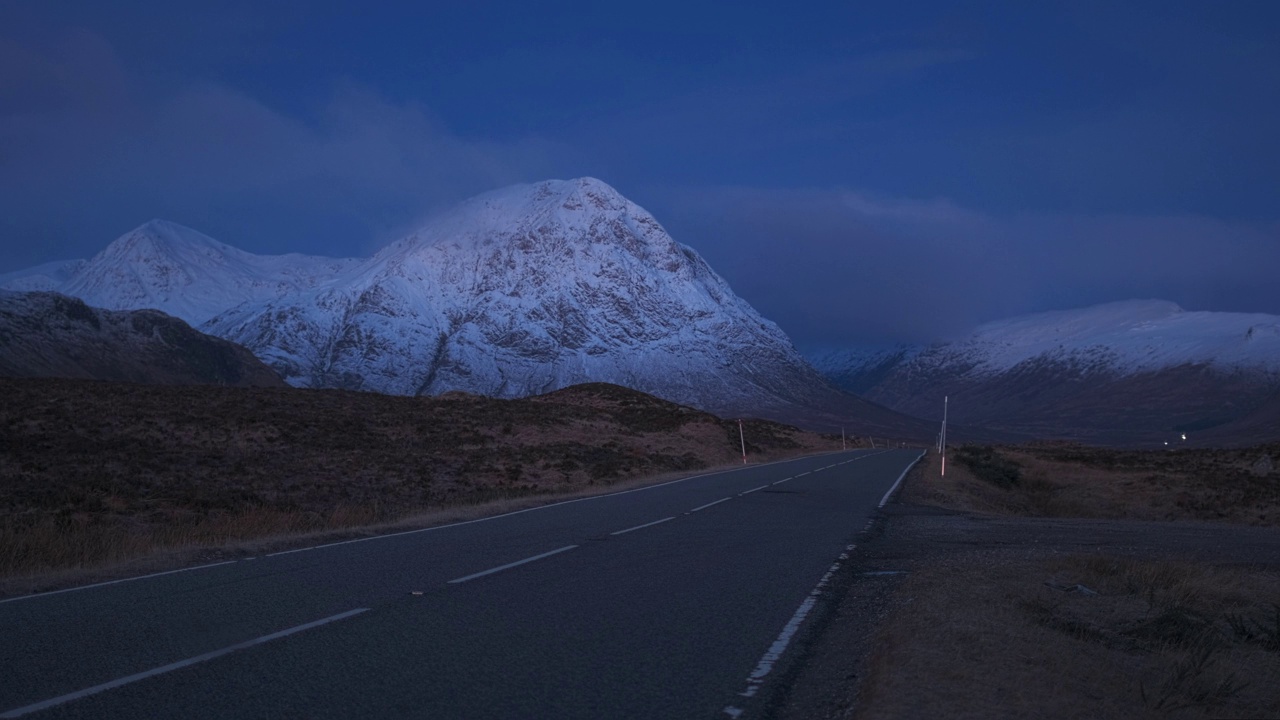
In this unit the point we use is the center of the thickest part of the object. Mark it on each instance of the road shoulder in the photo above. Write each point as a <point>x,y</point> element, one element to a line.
<point>997,595</point>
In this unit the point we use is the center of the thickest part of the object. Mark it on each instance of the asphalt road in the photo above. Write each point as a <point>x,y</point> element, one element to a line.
<point>673,601</point>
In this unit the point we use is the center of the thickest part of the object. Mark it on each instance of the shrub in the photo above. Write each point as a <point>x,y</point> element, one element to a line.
<point>985,463</point>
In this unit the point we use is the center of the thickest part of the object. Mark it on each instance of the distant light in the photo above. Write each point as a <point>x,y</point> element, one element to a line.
<point>1166,442</point>
<point>1184,436</point>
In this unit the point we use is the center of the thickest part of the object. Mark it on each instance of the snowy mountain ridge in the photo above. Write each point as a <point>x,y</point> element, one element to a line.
<point>1132,336</point>
<point>187,274</point>
<point>1135,369</point>
<point>516,292</point>
<point>1122,338</point>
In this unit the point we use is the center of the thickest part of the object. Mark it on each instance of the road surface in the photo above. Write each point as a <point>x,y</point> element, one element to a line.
<point>674,601</point>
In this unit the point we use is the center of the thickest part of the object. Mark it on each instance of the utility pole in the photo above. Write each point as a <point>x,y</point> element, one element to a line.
<point>942,438</point>
<point>743,439</point>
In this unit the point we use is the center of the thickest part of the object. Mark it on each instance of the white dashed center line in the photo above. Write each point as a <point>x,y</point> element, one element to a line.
<point>641,527</point>
<point>508,566</point>
<point>704,507</point>
<point>747,492</point>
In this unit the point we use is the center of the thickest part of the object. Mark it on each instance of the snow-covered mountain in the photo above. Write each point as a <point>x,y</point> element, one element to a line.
<point>45,334</point>
<point>525,290</point>
<point>1135,368</point>
<point>517,292</point>
<point>190,275</point>
<point>1130,337</point>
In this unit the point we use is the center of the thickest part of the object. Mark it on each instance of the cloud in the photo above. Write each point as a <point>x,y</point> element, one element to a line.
<point>79,70</point>
<point>839,267</point>
<point>83,144</point>
<point>86,144</point>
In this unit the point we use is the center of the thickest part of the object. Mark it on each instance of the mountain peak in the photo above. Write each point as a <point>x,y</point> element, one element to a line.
<point>584,195</point>
<point>162,236</point>
<point>582,215</point>
<point>164,265</point>
<point>601,194</point>
<point>565,188</point>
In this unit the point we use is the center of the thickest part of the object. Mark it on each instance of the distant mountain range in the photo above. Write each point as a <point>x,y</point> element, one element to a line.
<point>538,287</point>
<point>1127,371</point>
<point>514,293</point>
<point>45,334</point>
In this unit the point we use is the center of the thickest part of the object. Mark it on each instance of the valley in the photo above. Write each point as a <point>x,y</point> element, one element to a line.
<point>585,360</point>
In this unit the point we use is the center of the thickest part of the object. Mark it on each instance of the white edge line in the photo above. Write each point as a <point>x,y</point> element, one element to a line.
<point>532,509</point>
<point>898,482</point>
<point>113,582</point>
<point>508,566</point>
<point>45,704</point>
<point>779,646</point>
<point>641,527</point>
<point>775,652</point>
<point>704,507</point>
<point>748,492</point>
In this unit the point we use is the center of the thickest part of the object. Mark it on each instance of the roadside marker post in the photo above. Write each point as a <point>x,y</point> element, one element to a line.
<point>742,439</point>
<point>942,439</point>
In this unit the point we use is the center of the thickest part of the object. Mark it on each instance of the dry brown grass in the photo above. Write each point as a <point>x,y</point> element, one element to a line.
<point>1057,480</point>
<point>988,638</point>
<point>96,473</point>
<point>1005,630</point>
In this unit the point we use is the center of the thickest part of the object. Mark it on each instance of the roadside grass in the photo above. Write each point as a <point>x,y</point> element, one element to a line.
<point>1061,480</point>
<point>95,474</point>
<point>992,632</point>
<point>100,554</point>
<point>1003,636</point>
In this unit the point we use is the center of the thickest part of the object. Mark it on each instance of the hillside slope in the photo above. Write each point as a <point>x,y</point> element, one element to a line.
<point>97,472</point>
<point>45,334</point>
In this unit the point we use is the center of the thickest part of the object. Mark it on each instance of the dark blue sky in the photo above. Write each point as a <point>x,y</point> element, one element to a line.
<point>860,174</point>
